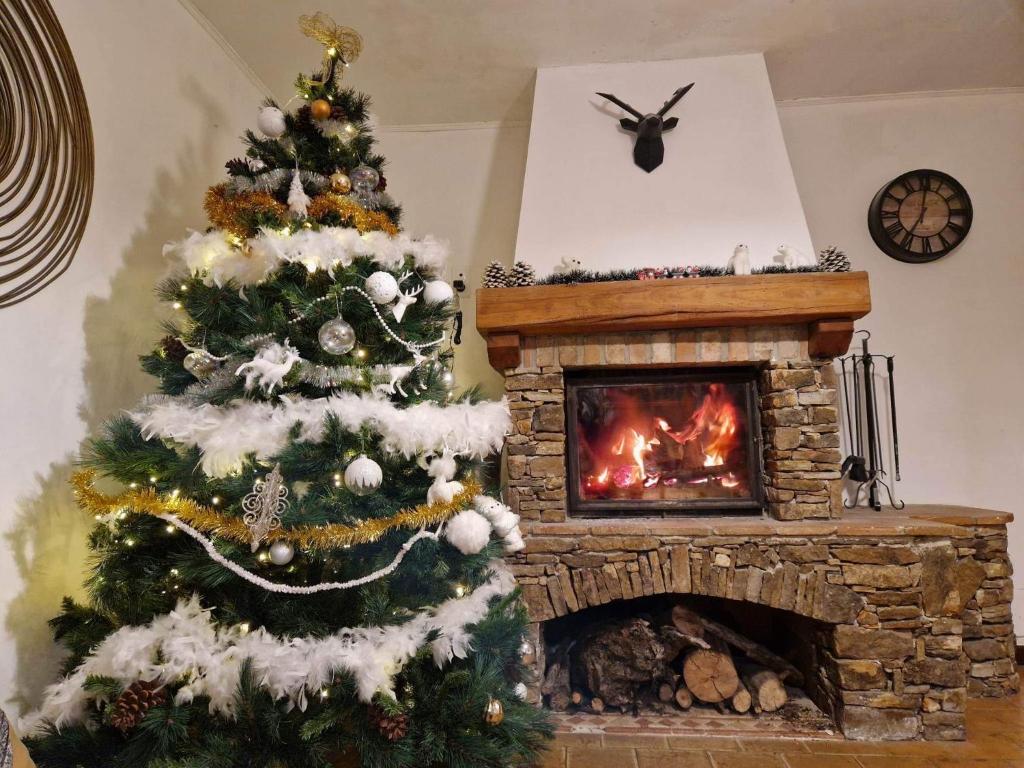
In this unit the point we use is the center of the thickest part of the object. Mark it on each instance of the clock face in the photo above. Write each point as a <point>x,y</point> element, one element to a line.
<point>920,216</point>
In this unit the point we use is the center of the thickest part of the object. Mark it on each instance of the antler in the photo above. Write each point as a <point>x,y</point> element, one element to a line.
<point>621,103</point>
<point>680,92</point>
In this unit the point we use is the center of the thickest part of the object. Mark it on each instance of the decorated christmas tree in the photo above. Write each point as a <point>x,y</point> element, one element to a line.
<point>296,559</point>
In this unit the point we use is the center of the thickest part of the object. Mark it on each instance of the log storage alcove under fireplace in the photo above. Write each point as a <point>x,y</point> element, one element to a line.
<point>675,459</point>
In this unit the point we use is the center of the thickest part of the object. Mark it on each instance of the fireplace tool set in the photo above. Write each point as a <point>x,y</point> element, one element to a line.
<point>861,405</point>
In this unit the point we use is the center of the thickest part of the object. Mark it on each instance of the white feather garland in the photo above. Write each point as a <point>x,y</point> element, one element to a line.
<point>227,434</point>
<point>216,258</point>
<point>186,644</point>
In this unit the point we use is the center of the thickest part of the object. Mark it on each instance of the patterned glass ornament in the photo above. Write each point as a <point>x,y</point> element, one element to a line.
<point>336,336</point>
<point>200,363</point>
<point>364,180</point>
<point>363,476</point>
<point>265,505</point>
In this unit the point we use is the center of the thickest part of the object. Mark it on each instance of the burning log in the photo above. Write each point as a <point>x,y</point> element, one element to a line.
<point>710,674</point>
<point>767,691</point>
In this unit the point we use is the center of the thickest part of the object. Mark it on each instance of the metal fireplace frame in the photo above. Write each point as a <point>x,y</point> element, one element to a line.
<point>582,378</point>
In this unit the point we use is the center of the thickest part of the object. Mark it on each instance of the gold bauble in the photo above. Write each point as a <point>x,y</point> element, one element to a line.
<point>341,183</point>
<point>494,713</point>
<point>320,109</point>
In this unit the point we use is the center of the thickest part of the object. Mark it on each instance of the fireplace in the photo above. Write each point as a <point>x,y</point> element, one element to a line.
<point>644,416</point>
<point>663,441</point>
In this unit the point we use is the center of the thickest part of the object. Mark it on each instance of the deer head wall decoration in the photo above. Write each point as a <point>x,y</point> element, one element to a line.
<point>649,149</point>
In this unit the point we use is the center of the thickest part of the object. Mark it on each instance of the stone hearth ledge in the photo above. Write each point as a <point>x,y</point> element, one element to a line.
<point>906,613</point>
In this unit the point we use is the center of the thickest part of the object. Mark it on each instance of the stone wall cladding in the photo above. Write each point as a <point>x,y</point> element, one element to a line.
<point>910,625</point>
<point>799,416</point>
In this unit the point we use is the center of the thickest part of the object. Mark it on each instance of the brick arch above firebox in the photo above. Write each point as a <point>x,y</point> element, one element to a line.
<point>789,577</point>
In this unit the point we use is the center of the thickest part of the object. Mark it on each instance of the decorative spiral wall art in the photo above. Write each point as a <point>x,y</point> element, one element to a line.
<point>46,151</point>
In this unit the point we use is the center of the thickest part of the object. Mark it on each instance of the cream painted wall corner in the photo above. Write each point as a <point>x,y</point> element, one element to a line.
<point>166,105</point>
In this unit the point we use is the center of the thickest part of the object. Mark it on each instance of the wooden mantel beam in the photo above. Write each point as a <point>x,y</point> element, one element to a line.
<point>828,302</point>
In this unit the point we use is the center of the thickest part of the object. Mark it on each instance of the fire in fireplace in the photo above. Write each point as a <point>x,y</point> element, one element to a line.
<point>663,441</point>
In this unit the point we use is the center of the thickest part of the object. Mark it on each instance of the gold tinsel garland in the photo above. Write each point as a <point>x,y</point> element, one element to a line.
<point>147,501</point>
<point>238,213</point>
<point>350,212</point>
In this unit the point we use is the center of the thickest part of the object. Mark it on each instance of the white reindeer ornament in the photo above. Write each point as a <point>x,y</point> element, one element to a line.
<point>268,369</point>
<point>405,299</point>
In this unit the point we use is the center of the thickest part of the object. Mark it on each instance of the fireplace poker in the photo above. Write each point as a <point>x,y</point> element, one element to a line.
<point>892,410</point>
<point>871,416</point>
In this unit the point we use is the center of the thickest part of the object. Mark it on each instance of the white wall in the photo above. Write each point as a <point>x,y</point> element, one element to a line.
<point>463,185</point>
<point>954,325</point>
<point>725,180</point>
<point>166,106</point>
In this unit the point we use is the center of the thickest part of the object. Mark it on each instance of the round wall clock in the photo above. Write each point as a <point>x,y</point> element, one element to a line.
<point>920,216</point>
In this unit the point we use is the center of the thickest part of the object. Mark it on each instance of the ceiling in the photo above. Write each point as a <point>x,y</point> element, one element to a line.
<point>464,61</point>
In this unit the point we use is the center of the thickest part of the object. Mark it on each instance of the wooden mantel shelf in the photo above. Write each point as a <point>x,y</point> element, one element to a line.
<point>828,301</point>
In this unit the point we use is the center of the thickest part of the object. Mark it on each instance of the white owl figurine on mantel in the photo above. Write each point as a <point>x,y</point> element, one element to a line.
<point>791,257</point>
<point>740,261</point>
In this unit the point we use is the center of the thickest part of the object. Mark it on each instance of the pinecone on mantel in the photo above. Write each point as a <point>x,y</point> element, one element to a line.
<point>522,274</point>
<point>391,726</point>
<point>134,702</point>
<point>832,259</point>
<point>495,276</point>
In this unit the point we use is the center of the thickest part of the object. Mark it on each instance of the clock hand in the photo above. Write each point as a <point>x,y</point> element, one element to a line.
<point>920,216</point>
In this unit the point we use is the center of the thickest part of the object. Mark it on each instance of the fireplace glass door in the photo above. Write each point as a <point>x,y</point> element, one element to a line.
<point>663,442</point>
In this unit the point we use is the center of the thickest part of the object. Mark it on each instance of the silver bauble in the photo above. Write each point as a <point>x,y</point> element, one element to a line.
<point>363,476</point>
<point>281,552</point>
<point>382,287</point>
<point>437,292</point>
<point>364,180</point>
<point>336,336</point>
<point>270,121</point>
<point>200,363</point>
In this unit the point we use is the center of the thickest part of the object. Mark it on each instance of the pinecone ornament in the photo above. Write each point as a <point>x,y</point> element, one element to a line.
<point>391,726</point>
<point>173,349</point>
<point>134,702</point>
<point>522,274</point>
<point>494,275</point>
<point>832,259</point>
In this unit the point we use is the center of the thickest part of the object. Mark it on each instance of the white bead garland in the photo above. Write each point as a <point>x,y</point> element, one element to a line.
<point>289,589</point>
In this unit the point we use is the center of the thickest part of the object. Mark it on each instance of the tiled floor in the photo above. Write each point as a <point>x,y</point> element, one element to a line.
<point>995,727</point>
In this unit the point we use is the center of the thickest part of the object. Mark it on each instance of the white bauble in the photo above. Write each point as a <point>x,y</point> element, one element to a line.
<point>521,691</point>
<point>363,476</point>
<point>514,542</point>
<point>270,121</point>
<point>468,532</point>
<point>281,552</point>
<point>382,287</point>
<point>437,292</point>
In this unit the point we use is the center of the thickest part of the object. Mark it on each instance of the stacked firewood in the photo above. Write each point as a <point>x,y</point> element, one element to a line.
<point>666,662</point>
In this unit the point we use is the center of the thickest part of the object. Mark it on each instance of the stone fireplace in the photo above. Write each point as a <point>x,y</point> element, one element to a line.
<point>676,443</point>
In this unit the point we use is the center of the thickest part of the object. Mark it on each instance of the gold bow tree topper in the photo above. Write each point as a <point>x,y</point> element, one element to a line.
<point>340,43</point>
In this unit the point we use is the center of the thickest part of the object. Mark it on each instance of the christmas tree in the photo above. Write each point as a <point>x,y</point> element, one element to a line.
<point>296,559</point>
